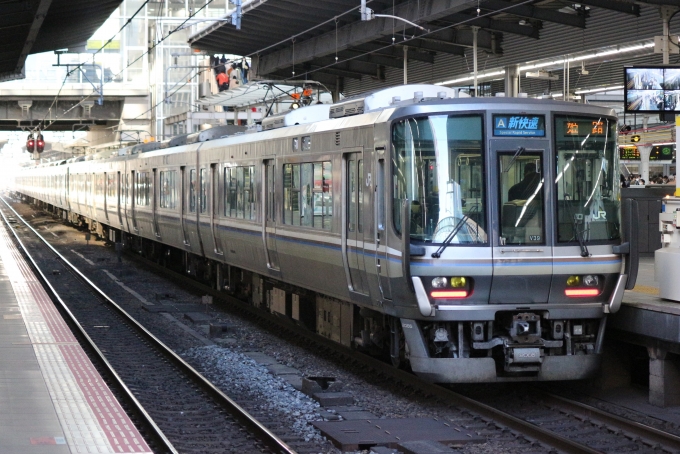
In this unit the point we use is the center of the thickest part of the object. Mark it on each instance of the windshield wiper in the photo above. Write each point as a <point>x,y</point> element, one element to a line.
<point>449,238</point>
<point>581,242</point>
<point>519,151</point>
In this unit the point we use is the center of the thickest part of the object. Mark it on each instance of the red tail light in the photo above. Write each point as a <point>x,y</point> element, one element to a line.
<point>581,292</point>
<point>449,294</point>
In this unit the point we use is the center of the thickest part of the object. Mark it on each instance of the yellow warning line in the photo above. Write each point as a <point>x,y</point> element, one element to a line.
<point>646,289</point>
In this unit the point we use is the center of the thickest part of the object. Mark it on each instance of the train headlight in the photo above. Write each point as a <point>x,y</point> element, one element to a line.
<point>573,281</point>
<point>461,287</point>
<point>439,282</point>
<point>582,286</point>
<point>458,282</point>
<point>590,280</point>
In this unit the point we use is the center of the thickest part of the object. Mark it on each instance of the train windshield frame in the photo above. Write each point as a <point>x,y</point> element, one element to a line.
<point>439,164</point>
<point>587,186</point>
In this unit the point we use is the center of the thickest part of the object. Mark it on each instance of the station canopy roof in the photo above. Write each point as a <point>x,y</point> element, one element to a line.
<point>297,36</point>
<point>34,26</point>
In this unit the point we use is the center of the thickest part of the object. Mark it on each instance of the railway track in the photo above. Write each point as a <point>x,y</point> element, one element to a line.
<point>532,416</point>
<point>183,411</point>
<point>557,423</point>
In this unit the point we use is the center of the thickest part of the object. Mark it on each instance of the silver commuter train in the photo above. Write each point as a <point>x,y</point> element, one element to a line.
<point>508,210</point>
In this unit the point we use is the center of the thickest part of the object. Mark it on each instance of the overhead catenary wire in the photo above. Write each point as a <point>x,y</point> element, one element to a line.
<point>208,2</point>
<point>68,73</point>
<point>361,54</point>
<point>414,37</point>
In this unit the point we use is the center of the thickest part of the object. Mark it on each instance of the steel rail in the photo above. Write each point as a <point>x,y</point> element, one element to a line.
<point>157,434</point>
<point>530,430</point>
<point>650,435</point>
<point>266,436</point>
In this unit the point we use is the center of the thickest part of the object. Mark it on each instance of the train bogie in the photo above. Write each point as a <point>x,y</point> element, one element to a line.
<point>473,239</point>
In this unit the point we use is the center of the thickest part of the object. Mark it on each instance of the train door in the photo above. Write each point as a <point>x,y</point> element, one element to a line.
<point>133,200</point>
<point>67,188</point>
<point>381,249</point>
<point>119,197</point>
<point>214,207</point>
<point>105,196</point>
<point>353,222</point>
<point>205,212</point>
<point>522,251</point>
<point>192,218</point>
<point>269,213</point>
<point>183,204</point>
<point>154,204</point>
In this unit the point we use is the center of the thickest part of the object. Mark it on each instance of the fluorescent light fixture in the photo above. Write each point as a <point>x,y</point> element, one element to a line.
<point>597,54</point>
<point>484,75</point>
<point>551,63</point>
<point>598,90</point>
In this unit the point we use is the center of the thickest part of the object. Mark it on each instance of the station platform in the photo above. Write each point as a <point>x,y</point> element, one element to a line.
<point>52,399</point>
<point>647,320</point>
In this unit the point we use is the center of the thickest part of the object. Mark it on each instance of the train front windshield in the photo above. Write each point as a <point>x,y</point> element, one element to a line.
<point>438,165</point>
<point>587,179</point>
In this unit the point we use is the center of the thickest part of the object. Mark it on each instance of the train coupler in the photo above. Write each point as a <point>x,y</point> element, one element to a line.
<point>524,350</point>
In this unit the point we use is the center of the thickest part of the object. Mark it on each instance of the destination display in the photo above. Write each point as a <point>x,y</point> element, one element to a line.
<point>629,154</point>
<point>519,125</point>
<point>652,89</point>
<point>584,128</point>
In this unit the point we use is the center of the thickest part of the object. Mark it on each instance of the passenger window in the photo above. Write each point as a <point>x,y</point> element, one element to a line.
<point>307,195</point>
<point>238,192</point>
<point>295,144</point>
<point>168,194</point>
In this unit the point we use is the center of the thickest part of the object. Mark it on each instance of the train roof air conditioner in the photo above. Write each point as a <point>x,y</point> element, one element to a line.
<point>301,116</point>
<point>394,96</point>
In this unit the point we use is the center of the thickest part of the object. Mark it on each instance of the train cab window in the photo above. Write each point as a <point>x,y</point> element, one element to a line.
<point>521,196</point>
<point>306,143</point>
<point>438,165</point>
<point>307,193</point>
<point>192,191</point>
<point>295,144</point>
<point>203,190</point>
<point>168,189</point>
<point>587,181</point>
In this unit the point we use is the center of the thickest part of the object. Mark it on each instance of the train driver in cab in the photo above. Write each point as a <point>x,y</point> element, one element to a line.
<point>525,188</point>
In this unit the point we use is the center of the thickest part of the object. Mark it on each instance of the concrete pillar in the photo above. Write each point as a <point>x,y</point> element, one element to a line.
<point>644,162</point>
<point>511,81</point>
<point>664,376</point>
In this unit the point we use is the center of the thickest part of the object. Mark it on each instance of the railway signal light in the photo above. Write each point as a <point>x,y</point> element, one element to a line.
<point>40,144</point>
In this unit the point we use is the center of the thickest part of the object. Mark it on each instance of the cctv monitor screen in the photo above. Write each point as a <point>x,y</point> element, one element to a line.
<point>652,89</point>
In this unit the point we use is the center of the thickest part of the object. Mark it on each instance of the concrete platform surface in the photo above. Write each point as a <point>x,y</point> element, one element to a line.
<point>52,399</point>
